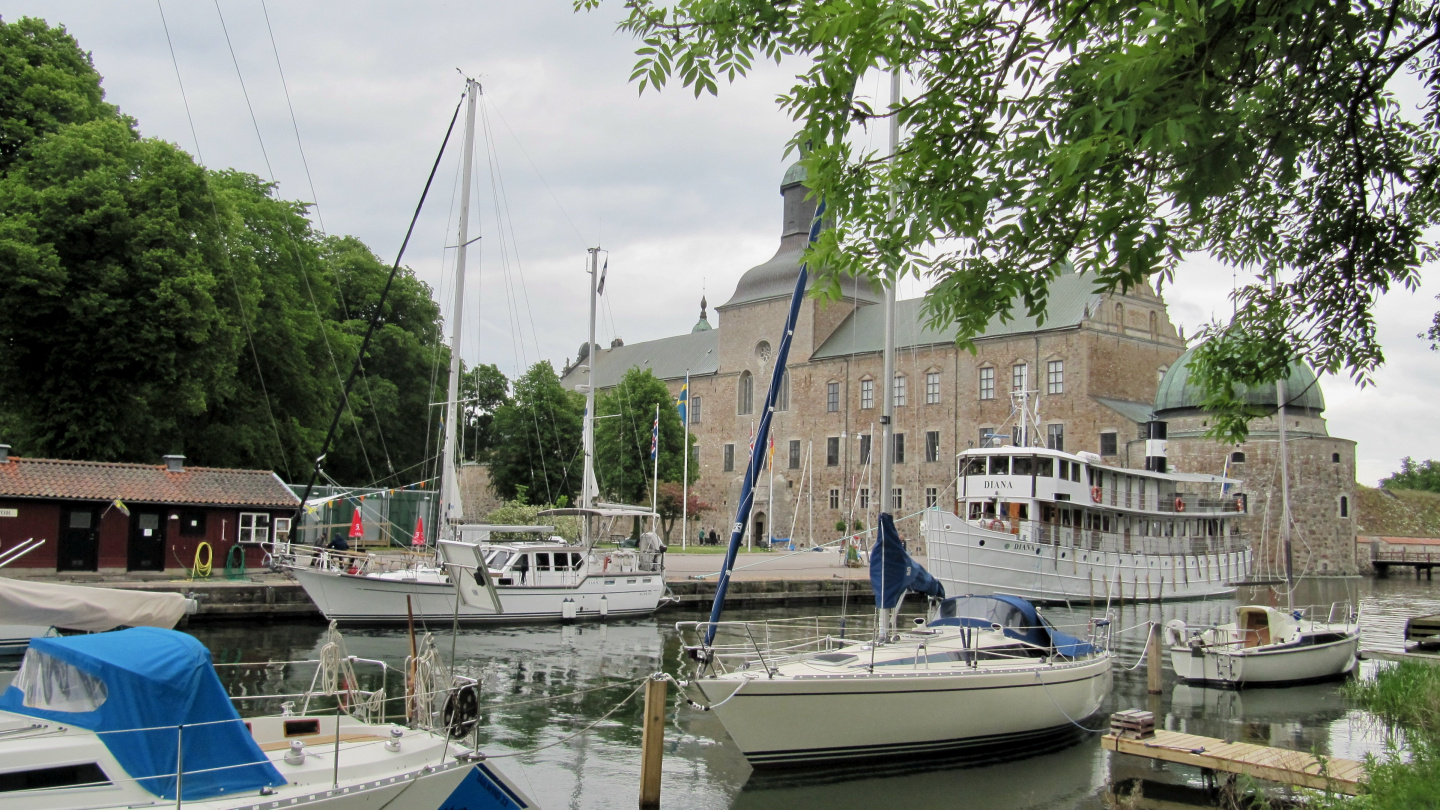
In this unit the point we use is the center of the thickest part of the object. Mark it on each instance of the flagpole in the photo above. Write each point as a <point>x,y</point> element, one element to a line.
<point>655,468</point>
<point>685,476</point>
<point>770,498</point>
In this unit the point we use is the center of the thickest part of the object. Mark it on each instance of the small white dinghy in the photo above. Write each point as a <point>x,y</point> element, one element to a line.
<point>1265,646</point>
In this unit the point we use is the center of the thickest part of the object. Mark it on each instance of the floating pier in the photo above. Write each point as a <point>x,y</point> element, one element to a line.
<point>1258,761</point>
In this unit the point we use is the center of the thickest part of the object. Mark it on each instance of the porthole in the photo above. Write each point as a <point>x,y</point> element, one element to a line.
<point>1062,555</point>
<point>1037,551</point>
<point>982,542</point>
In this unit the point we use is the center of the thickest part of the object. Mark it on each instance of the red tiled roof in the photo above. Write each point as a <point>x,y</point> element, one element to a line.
<point>142,483</point>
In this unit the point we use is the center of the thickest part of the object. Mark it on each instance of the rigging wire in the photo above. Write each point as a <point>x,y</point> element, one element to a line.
<point>300,263</point>
<point>225,244</point>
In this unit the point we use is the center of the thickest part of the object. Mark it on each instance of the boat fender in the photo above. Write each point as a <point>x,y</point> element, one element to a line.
<point>1095,494</point>
<point>606,567</point>
<point>462,711</point>
<point>1179,504</point>
<point>1175,632</point>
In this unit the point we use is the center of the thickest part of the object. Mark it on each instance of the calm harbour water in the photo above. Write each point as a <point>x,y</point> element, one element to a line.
<point>704,770</point>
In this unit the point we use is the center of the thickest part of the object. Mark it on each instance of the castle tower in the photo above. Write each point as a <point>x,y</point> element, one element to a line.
<point>1322,469</point>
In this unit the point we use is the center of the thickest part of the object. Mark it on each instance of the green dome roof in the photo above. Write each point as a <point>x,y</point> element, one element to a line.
<point>1176,392</point>
<point>794,174</point>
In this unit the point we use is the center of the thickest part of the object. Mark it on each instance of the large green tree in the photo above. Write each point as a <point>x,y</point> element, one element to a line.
<point>483,389</point>
<point>1113,136</point>
<point>1415,475</point>
<point>153,306</point>
<point>537,454</point>
<point>625,415</point>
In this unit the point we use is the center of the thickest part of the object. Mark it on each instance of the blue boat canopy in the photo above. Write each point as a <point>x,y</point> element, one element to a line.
<point>1016,618</point>
<point>893,572</point>
<point>141,690</point>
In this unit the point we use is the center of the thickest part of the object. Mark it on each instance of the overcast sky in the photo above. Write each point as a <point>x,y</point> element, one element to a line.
<point>682,193</point>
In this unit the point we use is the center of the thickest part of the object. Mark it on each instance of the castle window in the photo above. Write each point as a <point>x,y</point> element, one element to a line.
<point>834,499</point>
<point>745,394</point>
<point>1154,325</point>
<point>1335,458</point>
<point>932,445</point>
<point>832,397</point>
<point>864,497</point>
<point>1120,316</point>
<point>865,449</point>
<point>1109,444</point>
<point>1055,377</point>
<point>782,397</point>
<point>899,390</point>
<point>1018,377</point>
<point>932,388</point>
<point>898,440</point>
<point>1237,457</point>
<point>832,451</point>
<point>1055,437</point>
<point>897,499</point>
<point>932,497</point>
<point>729,458</point>
<point>1344,507</point>
<point>987,437</point>
<point>987,383</point>
<point>794,454</point>
<point>867,394</point>
<point>694,410</point>
<point>1160,374</point>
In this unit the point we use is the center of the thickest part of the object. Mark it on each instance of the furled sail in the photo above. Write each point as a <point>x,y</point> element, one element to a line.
<point>893,571</point>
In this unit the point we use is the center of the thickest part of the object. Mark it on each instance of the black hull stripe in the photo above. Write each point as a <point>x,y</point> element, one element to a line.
<point>982,748</point>
<point>499,618</point>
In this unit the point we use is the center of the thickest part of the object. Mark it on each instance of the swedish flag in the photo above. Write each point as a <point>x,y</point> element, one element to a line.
<point>682,402</point>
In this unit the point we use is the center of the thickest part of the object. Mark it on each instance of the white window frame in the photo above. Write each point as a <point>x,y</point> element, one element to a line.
<point>899,393</point>
<point>1019,377</point>
<point>932,388</point>
<point>250,532</point>
<point>867,394</point>
<point>987,382</point>
<point>1055,377</point>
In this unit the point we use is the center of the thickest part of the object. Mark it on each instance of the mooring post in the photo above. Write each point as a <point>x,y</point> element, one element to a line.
<point>652,741</point>
<point>1152,664</point>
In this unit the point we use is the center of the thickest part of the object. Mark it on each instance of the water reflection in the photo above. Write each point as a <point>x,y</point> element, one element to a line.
<point>520,668</point>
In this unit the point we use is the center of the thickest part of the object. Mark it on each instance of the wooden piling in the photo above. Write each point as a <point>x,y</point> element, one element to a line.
<point>652,742</point>
<point>1152,663</point>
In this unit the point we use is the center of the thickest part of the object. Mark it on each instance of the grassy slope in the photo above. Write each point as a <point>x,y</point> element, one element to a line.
<point>1397,513</point>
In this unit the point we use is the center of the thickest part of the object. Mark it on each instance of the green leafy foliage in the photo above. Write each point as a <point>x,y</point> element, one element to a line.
<point>153,306</point>
<point>483,389</point>
<point>1111,136</point>
<point>517,513</point>
<point>624,416</point>
<point>537,451</point>
<point>1415,475</point>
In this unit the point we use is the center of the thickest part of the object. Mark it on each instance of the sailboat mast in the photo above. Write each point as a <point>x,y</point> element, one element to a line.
<point>1285,495</point>
<point>588,486</point>
<point>887,388</point>
<point>449,486</point>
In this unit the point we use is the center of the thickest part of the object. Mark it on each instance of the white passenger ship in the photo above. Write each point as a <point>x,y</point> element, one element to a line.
<point>1061,527</point>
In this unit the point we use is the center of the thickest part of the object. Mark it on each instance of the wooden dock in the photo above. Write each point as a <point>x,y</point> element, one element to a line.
<point>1258,761</point>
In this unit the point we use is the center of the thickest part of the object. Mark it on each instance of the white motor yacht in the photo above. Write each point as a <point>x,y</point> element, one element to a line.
<point>1266,646</point>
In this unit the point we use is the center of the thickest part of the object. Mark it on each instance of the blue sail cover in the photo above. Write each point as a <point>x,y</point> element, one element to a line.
<point>156,680</point>
<point>892,572</point>
<point>1016,617</point>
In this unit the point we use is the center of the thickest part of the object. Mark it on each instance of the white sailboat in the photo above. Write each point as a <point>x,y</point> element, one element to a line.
<point>980,678</point>
<point>138,717</point>
<point>1265,646</point>
<point>544,579</point>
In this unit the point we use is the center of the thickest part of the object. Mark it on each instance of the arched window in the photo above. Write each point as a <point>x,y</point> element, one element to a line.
<point>1344,507</point>
<point>1120,317</point>
<point>1160,374</point>
<point>1154,325</point>
<point>1335,458</point>
<point>782,397</point>
<point>745,394</point>
<point>1237,457</point>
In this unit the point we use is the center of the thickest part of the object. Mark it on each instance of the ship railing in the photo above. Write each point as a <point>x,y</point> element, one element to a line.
<point>1052,534</point>
<point>351,562</point>
<point>1179,503</point>
<point>770,643</point>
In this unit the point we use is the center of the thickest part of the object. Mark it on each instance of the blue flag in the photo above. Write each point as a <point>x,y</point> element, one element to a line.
<point>655,436</point>
<point>683,401</point>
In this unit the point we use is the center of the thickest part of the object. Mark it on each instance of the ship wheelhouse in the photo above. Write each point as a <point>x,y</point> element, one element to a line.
<point>1052,498</point>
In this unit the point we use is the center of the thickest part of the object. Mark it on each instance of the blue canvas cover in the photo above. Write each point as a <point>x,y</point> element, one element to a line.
<point>154,681</point>
<point>892,572</point>
<point>1018,619</point>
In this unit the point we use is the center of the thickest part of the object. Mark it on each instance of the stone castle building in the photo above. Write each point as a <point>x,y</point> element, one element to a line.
<point>1093,369</point>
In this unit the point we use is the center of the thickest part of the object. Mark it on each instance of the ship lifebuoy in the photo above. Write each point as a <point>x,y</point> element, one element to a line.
<point>1179,504</point>
<point>997,526</point>
<point>1095,494</point>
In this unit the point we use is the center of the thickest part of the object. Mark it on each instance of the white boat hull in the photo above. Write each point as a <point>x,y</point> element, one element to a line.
<point>971,560</point>
<point>984,715</point>
<point>1267,666</point>
<point>346,597</point>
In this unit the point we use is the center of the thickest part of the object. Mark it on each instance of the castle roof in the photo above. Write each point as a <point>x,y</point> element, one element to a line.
<point>1072,299</point>
<point>667,358</point>
<point>1178,394</point>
